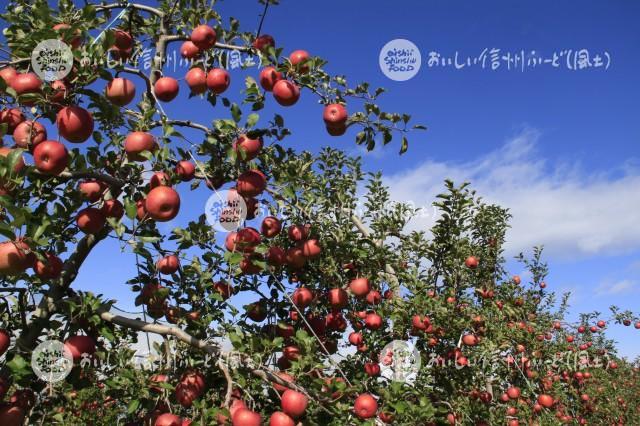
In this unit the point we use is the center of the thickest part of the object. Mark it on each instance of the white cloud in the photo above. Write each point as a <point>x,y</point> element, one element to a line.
<point>619,287</point>
<point>573,212</point>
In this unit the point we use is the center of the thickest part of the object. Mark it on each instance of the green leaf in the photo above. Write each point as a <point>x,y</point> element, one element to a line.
<point>405,145</point>
<point>133,406</point>
<point>236,113</point>
<point>252,120</point>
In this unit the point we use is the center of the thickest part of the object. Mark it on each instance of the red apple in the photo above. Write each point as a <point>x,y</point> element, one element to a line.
<point>90,220</point>
<point>545,400</point>
<point>338,298</point>
<point>365,406</point>
<point>280,419</point>
<point>196,79</point>
<point>15,257</point>
<point>471,262</point>
<point>120,91</point>
<point>19,165</point>
<point>224,289</point>
<point>188,50</point>
<point>162,203</point>
<point>185,170</point>
<point>12,117</point>
<point>60,89</point>
<point>470,340</point>
<point>286,93</point>
<point>298,233</point>
<point>294,403</point>
<point>28,134</point>
<point>373,321</point>
<point>51,157</point>
<point>159,179</point>
<point>270,227</point>
<point>372,369</point>
<point>246,417</point>
<point>360,287</point>
<point>79,345</point>
<point>24,83</point>
<point>276,256</point>
<point>302,297</point>
<point>513,392</point>
<point>11,415</point>
<point>251,183</point>
<point>113,208</point>
<point>355,338</point>
<point>168,419</point>
<point>257,311</point>
<point>295,258</point>
<point>311,248</point>
<point>335,114</point>
<point>5,341</point>
<point>299,57</point>
<point>168,264</point>
<point>7,74</point>
<point>247,148</point>
<point>204,37</point>
<point>50,268</point>
<point>137,142</point>
<point>75,124</point>
<point>92,190</point>
<point>218,80</point>
<point>166,89</point>
<point>263,42</point>
<point>123,40</point>
<point>269,76</point>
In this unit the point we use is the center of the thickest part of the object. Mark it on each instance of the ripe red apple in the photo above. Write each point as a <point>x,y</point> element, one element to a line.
<point>11,415</point>
<point>269,76</point>
<point>5,341</point>
<point>471,262</point>
<point>294,403</point>
<point>51,157</point>
<point>298,232</point>
<point>338,298</point>
<point>120,91</point>
<point>246,417</point>
<point>159,179</point>
<point>276,256</point>
<point>251,183</point>
<point>90,220</point>
<point>545,400</point>
<point>185,170</point>
<point>166,89</point>
<point>224,289</point>
<point>120,54</point>
<point>513,392</point>
<point>204,37</point>
<point>280,419</point>
<point>113,208</point>
<point>24,83</point>
<point>298,58</point>
<point>28,134</point>
<point>365,406</point>
<point>286,93</point>
<point>12,117</point>
<point>123,39</point>
<point>75,124</point>
<point>168,419</point>
<point>470,340</point>
<point>92,190</point>
<point>137,142</point>
<point>7,74</point>
<point>246,239</point>
<point>270,227</point>
<point>188,50</point>
<point>372,369</point>
<point>360,287</point>
<point>257,311</point>
<point>50,268</point>
<point>335,114</point>
<point>15,257</point>
<point>60,89</point>
<point>19,165</point>
<point>637,325</point>
<point>311,248</point>
<point>162,203</point>
<point>218,80</point>
<point>263,42</point>
<point>168,264</point>
<point>79,345</point>
<point>355,338</point>
<point>196,79</point>
<point>374,297</point>
<point>247,148</point>
<point>295,258</point>
<point>302,297</point>
<point>373,321</point>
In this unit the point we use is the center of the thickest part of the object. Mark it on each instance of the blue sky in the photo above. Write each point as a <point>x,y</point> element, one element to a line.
<point>559,147</point>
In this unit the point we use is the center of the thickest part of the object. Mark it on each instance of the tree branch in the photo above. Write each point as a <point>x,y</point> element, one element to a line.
<point>182,123</point>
